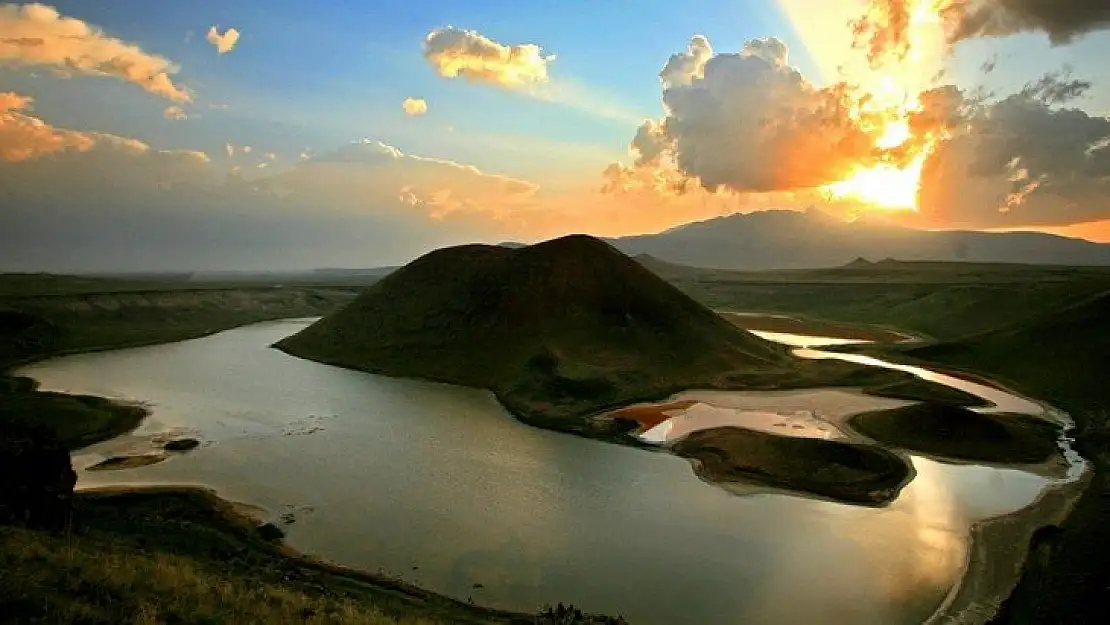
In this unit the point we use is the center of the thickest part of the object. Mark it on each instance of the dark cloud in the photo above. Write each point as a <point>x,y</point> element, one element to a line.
<point>885,27</point>
<point>1022,160</point>
<point>1061,20</point>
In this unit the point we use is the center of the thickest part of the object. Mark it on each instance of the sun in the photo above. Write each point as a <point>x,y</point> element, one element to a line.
<point>890,93</point>
<point>883,186</point>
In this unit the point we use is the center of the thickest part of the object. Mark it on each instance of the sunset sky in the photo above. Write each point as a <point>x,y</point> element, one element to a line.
<point>288,134</point>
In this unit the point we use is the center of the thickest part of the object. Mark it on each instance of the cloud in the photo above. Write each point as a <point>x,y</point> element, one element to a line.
<point>112,203</point>
<point>1062,20</point>
<point>683,67</point>
<point>414,106</point>
<point>224,43</point>
<point>24,137</point>
<point>750,122</point>
<point>886,27</point>
<point>175,113</point>
<point>37,35</point>
<point>1021,160</point>
<point>455,53</point>
<point>377,173</point>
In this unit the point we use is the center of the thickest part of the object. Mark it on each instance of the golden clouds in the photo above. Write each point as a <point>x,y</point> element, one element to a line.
<point>458,53</point>
<point>23,137</point>
<point>225,42</point>
<point>37,35</point>
<point>414,106</point>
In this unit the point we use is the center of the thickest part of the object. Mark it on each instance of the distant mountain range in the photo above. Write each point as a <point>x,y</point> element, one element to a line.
<point>781,239</point>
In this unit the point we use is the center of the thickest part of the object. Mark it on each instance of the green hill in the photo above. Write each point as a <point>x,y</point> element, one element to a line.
<point>1061,357</point>
<point>556,330</point>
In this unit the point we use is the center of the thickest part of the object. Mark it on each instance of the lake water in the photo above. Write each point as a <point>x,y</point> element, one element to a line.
<point>439,485</point>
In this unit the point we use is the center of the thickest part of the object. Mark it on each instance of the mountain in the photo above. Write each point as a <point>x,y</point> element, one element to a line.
<point>781,239</point>
<point>557,329</point>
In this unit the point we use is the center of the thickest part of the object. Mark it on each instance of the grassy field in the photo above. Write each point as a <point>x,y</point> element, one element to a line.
<point>184,556</point>
<point>935,300</point>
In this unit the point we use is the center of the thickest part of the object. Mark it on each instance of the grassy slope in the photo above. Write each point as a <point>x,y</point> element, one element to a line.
<point>1043,331</point>
<point>184,557</point>
<point>557,330</point>
<point>942,301</point>
<point>1063,358</point>
<point>955,433</point>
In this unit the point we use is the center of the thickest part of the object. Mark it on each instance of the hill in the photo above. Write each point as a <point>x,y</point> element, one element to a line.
<point>1061,357</point>
<point>557,329</point>
<point>782,239</point>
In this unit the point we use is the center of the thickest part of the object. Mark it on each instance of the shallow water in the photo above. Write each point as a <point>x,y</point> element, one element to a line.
<point>439,485</point>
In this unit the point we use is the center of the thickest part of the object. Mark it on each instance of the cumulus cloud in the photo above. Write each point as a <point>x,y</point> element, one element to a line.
<point>37,35</point>
<point>414,106</point>
<point>750,122</point>
<point>224,42</point>
<point>175,113</point>
<point>455,53</point>
<point>683,67</point>
<point>1021,160</point>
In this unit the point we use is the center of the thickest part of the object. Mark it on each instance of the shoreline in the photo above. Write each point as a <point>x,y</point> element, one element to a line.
<point>239,516</point>
<point>986,582</point>
<point>979,575</point>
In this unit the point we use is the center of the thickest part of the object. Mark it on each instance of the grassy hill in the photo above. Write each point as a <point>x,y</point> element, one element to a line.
<point>556,329</point>
<point>1063,357</point>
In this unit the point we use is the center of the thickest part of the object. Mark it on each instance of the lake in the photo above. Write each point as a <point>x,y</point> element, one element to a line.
<point>439,485</point>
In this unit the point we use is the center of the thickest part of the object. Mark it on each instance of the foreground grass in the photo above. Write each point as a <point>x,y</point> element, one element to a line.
<point>184,557</point>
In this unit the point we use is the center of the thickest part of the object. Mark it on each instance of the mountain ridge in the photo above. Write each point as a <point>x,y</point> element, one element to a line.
<point>785,239</point>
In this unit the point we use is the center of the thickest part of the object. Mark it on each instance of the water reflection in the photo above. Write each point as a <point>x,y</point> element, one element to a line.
<point>400,474</point>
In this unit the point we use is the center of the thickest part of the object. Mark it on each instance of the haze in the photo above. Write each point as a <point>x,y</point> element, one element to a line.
<point>207,135</point>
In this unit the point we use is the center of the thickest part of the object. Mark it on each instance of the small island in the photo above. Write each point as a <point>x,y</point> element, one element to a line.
<point>863,474</point>
<point>956,433</point>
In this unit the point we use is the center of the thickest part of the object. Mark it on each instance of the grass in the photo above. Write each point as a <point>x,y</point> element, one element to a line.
<point>916,389</point>
<point>843,471</point>
<point>955,433</point>
<point>185,557</point>
<point>1042,331</point>
<point>558,331</point>
<point>1062,358</point>
<point>78,420</point>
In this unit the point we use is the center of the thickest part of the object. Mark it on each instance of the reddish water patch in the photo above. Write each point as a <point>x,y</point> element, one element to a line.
<point>650,415</point>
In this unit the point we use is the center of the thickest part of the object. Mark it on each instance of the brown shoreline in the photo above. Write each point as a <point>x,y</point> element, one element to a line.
<point>986,582</point>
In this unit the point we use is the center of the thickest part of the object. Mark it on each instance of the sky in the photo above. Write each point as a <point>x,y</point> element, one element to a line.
<point>283,134</point>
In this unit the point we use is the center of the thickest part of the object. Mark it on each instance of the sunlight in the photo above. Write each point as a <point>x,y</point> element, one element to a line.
<point>883,186</point>
<point>891,90</point>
